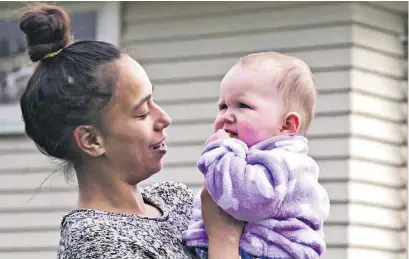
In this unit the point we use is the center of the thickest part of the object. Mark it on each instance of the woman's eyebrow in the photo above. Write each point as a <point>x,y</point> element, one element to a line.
<point>142,101</point>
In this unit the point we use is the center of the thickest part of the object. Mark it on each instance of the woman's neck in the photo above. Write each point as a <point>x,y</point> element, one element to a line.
<point>118,198</point>
<point>103,189</point>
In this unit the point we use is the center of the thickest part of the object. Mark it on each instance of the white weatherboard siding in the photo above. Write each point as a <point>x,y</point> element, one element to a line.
<point>355,52</point>
<point>378,133</point>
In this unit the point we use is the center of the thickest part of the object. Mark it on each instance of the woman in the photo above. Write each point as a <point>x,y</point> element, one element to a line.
<point>91,106</point>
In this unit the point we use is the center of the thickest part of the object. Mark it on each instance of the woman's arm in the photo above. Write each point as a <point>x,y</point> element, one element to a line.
<point>223,230</point>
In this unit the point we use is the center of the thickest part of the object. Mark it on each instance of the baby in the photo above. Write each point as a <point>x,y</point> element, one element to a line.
<point>256,166</point>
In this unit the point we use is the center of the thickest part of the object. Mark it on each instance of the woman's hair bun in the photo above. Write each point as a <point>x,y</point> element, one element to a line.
<point>47,29</point>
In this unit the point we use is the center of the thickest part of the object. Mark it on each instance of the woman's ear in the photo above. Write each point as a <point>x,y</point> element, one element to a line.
<point>89,140</point>
<point>292,123</point>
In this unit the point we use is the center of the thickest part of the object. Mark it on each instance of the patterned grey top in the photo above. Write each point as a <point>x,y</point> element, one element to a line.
<point>87,234</point>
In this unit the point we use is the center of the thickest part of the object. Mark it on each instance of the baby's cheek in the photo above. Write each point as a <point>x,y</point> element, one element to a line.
<point>250,135</point>
<point>217,124</point>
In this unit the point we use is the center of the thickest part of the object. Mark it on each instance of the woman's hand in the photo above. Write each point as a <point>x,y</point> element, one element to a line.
<point>223,230</point>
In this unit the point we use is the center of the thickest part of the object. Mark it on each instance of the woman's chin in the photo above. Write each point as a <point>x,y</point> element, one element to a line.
<point>157,167</point>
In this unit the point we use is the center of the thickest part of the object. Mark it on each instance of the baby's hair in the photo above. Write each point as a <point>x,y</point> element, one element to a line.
<point>295,82</point>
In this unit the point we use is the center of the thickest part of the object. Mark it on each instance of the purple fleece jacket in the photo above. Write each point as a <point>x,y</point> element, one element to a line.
<point>274,187</point>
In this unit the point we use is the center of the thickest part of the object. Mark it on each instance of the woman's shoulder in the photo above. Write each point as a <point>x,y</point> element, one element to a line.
<point>170,191</point>
<point>176,197</point>
<point>83,233</point>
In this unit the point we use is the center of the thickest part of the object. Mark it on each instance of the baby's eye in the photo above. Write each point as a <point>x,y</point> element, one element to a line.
<point>222,106</point>
<point>243,106</point>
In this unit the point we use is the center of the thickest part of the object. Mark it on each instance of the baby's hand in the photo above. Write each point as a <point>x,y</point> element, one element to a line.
<point>220,134</point>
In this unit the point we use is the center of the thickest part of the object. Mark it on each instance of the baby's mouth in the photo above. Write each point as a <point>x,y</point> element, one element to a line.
<point>231,133</point>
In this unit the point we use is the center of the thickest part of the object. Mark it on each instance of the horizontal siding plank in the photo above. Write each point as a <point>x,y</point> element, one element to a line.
<point>153,11</point>
<point>16,143</point>
<point>376,17</point>
<point>370,215</point>
<point>317,59</point>
<point>375,238</point>
<point>376,129</point>
<point>378,62</point>
<point>375,173</point>
<point>32,181</point>
<point>377,107</point>
<point>29,239</point>
<point>361,253</point>
<point>366,215</point>
<point>375,195</point>
<point>24,161</point>
<point>29,254</point>
<point>228,23</point>
<point>376,39</point>
<point>184,91</point>
<point>400,7</point>
<point>376,151</point>
<point>40,200</point>
<point>376,84</point>
<point>334,253</point>
<point>33,220</point>
<point>362,171</point>
<point>333,170</point>
<point>277,41</point>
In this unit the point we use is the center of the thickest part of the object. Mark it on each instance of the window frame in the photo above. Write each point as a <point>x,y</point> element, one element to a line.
<point>108,16</point>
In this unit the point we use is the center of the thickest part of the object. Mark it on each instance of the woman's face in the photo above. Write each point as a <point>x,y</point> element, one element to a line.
<point>134,125</point>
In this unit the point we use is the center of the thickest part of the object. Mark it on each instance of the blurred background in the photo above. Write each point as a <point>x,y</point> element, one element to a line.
<point>357,51</point>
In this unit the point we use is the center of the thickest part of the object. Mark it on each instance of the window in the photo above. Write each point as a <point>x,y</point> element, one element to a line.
<point>88,21</point>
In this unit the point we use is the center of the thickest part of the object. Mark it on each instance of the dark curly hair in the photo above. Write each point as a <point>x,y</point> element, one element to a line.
<point>67,90</point>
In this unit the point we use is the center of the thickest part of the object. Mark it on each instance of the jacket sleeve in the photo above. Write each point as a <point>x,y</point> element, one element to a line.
<point>247,185</point>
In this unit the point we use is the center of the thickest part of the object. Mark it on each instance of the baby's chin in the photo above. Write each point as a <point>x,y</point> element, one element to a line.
<point>249,141</point>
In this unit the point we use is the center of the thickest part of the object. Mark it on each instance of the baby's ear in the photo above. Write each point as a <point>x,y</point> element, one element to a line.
<point>291,124</point>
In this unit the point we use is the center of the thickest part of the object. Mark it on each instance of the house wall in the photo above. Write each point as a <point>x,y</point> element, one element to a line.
<point>358,136</point>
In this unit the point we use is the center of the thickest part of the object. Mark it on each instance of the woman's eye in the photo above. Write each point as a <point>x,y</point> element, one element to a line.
<point>243,105</point>
<point>143,116</point>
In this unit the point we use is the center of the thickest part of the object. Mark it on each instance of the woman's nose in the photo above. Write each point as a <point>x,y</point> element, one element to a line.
<point>163,119</point>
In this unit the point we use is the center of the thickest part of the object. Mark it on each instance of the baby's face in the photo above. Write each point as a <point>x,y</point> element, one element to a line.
<point>249,106</point>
